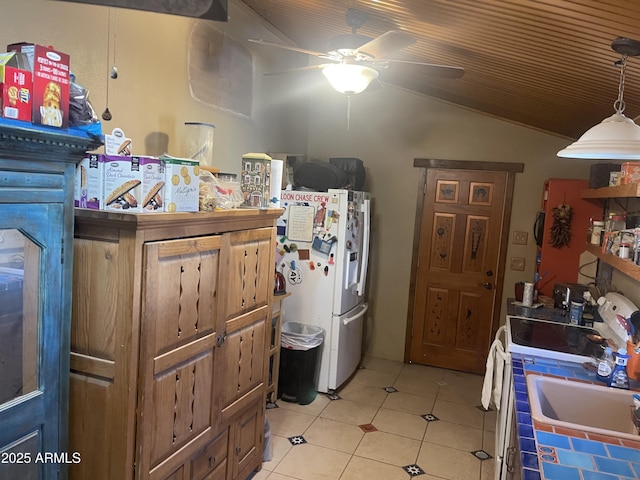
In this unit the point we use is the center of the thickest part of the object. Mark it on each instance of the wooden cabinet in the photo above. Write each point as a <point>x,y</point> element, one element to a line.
<point>275,331</point>
<point>629,191</point>
<point>168,343</point>
<point>37,168</point>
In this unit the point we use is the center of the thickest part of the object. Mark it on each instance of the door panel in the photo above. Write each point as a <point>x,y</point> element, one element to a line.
<point>458,261</point>
<point>30,329</point>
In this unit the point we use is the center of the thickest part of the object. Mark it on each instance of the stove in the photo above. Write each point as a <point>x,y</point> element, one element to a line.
<point>561,341</point>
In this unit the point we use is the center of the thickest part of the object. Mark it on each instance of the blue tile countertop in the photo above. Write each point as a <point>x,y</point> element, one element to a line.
<point>555,453</point>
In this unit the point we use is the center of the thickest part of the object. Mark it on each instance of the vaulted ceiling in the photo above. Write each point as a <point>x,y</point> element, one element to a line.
<point>547,63</point>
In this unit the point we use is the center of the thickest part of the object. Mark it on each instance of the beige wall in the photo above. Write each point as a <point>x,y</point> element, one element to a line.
<point>388,128</point>
<point>152,92</point>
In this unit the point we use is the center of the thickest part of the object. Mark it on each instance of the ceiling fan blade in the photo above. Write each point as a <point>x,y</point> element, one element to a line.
<point>293,49</point>
<point>386,43</point>
<point>442,71</point>
<point>296,70</point>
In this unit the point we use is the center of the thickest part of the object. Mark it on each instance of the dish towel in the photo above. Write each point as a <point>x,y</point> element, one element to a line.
<point>492,386</point>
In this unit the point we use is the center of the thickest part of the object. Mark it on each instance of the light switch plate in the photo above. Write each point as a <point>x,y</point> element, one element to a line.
<point>520,238</point>
<point>517,263</point>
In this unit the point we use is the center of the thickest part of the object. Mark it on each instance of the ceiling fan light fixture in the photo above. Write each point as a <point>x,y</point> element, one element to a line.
<point>616,137</point>
<point>349,79</point>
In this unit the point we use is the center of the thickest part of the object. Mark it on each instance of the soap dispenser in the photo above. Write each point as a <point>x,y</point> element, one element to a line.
<point>619,377</point>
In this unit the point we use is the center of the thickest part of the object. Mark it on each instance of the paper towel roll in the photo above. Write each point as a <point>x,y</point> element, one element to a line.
<point>277,166</point>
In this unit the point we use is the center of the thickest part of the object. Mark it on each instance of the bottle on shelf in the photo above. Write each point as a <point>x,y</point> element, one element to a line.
<point>605,365</point>
<point>619,377</point>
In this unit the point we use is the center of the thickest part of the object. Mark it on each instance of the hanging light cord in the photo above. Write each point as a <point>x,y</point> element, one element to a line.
<point>619,105</point>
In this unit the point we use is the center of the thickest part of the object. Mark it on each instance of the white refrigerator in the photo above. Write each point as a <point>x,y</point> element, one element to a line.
<point>323,250</point>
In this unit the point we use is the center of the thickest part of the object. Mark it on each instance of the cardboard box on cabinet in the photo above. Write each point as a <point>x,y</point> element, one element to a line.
<point>89,182</point>
<point>16,84</point>
<point>181,184</point>
<point>51,81</point>
<point>122,189</point>
<point>256,179</point>
<point>153,182</point>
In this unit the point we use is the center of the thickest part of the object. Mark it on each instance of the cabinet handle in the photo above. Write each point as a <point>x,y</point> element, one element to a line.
<point>221,338</point>
<point>238,450</point>
<point>212,461</point>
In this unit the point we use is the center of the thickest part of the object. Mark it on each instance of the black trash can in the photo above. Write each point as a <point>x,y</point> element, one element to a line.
<point>299,352</point>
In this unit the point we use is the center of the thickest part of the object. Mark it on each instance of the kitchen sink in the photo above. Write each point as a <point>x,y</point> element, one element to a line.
<point>582,406</point>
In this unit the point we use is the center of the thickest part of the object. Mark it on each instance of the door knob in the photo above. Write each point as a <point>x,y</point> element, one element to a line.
<point>489,273</point>
<point>486,285</point>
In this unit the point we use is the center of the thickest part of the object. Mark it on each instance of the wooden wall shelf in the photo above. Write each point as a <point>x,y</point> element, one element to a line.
<point>625,266</point>
<point>628,190</point>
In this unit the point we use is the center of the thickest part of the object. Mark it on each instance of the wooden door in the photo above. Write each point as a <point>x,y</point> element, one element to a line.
<point>462,230</point>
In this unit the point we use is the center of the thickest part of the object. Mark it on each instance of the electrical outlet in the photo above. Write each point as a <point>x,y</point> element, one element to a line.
<point>517,263</point>
<point>520,238</point>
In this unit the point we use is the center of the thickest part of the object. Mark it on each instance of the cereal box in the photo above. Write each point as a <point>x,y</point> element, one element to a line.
<point>630,173</point>
<point>89,184</point>
<point>51,83</point>
<point>256,179</point>
<point>122,189</point>
<point>16,85</point>
<point>152,184</point>
<point>181,184</point>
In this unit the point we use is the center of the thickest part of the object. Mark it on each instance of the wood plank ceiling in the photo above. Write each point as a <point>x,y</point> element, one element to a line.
<point>545,63</point>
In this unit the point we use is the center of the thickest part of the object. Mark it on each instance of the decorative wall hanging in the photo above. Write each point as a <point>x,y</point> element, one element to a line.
<point>561,227</point>
<point>220,70</point>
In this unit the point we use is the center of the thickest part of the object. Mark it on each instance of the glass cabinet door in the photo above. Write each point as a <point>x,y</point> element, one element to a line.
<point>18,315</point>
<point>31,303</point>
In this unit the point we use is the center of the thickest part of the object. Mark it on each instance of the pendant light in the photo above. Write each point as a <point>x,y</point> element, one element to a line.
<point>616,137</point>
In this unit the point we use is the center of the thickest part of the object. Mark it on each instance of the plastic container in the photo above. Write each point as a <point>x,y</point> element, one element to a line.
<point>605,365</point>
<point>300,348</point>
<point>619,377</point>
<point>199,142</point>
<point>615,223</point>
<point>597,226</point>
<point>575,311</point>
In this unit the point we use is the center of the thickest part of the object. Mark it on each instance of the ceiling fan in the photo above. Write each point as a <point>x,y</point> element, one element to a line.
<point>356,59</point>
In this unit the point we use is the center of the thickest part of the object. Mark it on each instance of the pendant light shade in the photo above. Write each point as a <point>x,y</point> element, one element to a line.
<point>616,137</point>
<point>349,79</point>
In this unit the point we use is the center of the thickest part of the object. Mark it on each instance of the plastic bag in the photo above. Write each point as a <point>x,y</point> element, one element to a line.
<point>216,194</point>
<point>298,336</point>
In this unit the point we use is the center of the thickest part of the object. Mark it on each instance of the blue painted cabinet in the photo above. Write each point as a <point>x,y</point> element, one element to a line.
<point>37,168</point>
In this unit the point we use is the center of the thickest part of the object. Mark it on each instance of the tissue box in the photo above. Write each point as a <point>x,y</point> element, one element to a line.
<point>181,184</point>
<point>256,179</point>
<point>122,190</point>
<point>89,185</point>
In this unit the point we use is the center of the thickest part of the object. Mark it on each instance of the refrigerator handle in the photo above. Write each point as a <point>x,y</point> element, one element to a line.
<point>363,309</point>
<point>364,255</point>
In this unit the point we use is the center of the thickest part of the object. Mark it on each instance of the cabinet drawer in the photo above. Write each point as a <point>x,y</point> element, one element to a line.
<point>209,458</point>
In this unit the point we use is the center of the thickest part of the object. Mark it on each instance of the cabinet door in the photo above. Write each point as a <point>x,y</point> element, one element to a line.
<point>248,284</point>
<point>247,441</point>
<point>180,286</point>
<point>33,317</point>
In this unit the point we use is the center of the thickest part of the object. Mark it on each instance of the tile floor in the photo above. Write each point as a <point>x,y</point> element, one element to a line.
<point>427,428</point>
